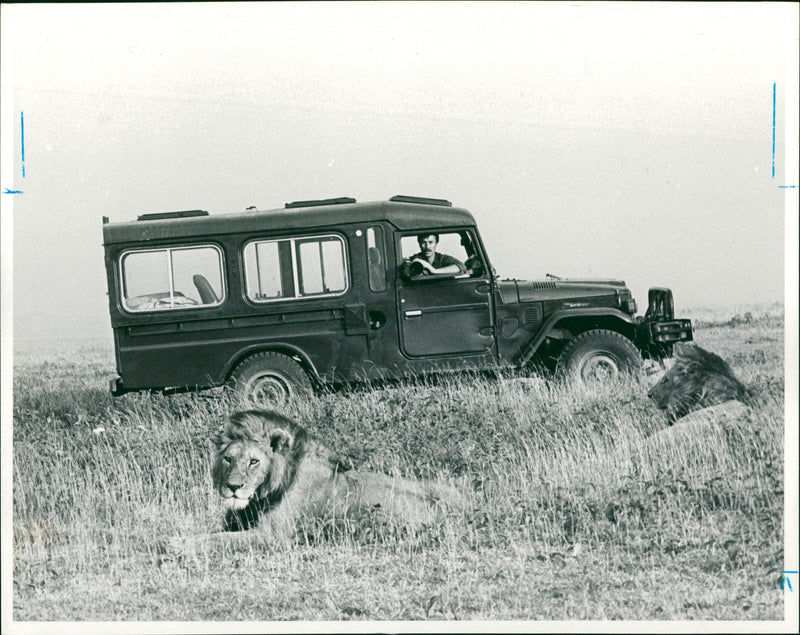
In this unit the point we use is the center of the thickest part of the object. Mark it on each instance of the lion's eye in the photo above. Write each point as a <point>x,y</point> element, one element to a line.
<point>254,461</point>
<point>227,459</point>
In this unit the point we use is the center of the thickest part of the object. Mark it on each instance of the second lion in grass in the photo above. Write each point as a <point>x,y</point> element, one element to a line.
<point>698,379</point>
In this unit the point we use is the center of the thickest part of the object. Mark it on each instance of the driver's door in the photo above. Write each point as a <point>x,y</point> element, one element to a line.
<point>445,316</point>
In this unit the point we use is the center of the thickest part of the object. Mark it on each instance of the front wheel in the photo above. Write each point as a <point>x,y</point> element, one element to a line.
<point>270,379</point>
<point>599,356</point>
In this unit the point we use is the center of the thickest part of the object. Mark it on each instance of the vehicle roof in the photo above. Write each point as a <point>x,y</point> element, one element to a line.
<point>403,215</point>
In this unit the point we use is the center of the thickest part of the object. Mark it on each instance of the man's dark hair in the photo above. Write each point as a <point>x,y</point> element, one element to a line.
<point>421,237</point>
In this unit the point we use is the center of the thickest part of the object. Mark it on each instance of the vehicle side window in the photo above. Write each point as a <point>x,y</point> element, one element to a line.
<point>267,278</point>
<point>321,267</point>
<point>376,259</point>
<point>295,268</point>
<point>172,278</point>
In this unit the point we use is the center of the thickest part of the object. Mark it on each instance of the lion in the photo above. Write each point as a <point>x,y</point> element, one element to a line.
<point>698,379</point>
<point>276,481</point>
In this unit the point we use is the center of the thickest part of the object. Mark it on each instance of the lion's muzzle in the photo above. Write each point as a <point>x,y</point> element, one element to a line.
<point>233,496</point>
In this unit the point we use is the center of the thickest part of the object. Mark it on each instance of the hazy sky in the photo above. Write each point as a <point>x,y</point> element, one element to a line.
<point>604,140</point>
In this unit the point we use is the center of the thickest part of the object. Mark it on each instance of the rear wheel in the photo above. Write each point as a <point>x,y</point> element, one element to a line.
<point>599,356</point>
<point>270,379</point>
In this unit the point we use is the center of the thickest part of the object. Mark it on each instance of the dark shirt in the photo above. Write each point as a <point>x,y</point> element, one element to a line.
<point>441,260</point>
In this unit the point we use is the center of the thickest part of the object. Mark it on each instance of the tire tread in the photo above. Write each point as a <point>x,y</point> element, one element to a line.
<point>564,358</point>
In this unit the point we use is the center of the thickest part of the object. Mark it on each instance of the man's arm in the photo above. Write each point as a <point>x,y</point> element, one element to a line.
<point>444,264</point>
<point>448,264</point>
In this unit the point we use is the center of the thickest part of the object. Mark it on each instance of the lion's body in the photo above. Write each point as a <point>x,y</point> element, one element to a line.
<point>698,425</point>
<point>698,379</point>
<point>276,481</point>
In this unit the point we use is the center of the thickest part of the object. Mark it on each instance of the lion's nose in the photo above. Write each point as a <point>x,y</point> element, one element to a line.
<point>234,486</point>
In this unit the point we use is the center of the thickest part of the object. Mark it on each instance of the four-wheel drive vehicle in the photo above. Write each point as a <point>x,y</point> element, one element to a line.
<point>322,293</point>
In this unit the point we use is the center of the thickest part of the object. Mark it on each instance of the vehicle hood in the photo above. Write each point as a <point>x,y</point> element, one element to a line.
<point>539,290</point>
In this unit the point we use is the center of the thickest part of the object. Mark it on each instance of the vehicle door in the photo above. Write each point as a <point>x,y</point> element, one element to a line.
<point>444,315</point>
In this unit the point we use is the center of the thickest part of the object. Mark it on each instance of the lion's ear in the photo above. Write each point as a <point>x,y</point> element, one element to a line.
<point>280,441</point>
<point>218,439</point>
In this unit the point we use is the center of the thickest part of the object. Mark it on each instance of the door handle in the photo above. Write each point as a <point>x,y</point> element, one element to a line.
<point>413,314</point>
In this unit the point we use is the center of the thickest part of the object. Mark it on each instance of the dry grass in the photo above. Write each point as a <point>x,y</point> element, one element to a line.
<point>577,507</point>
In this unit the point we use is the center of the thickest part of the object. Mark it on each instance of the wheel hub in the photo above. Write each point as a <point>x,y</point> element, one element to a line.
<point>270,389</point>
<point>600,368</point>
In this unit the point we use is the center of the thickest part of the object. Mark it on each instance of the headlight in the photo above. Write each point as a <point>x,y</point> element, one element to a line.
<point>626,302</point>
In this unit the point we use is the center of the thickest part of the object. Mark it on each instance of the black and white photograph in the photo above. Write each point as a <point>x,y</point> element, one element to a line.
<point>399,317</point>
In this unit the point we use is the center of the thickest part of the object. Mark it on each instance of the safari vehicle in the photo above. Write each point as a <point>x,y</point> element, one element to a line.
<point>321,293</point>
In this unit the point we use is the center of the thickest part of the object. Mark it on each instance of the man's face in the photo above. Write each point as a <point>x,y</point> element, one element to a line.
<point>427,245</point>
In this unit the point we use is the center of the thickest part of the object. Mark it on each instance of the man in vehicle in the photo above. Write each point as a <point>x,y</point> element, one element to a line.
<point>433,262</point>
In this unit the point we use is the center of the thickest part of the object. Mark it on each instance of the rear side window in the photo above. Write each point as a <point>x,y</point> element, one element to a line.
<point>294,268</point>
<point>172,278</point>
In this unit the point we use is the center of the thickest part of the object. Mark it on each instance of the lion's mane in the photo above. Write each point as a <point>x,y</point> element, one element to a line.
<point>286,446</point>
<point>698,379</point>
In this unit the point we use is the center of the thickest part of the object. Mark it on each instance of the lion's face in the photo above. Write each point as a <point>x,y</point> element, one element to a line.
<point>244,470</point>
<point>661,391</point>
<point>251,457</point>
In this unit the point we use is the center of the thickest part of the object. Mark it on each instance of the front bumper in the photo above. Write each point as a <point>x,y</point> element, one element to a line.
<point>671,331</point>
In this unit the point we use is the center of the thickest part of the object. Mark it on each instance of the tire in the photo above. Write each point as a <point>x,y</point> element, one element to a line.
<point>270,379</point>
<point>598,356</point>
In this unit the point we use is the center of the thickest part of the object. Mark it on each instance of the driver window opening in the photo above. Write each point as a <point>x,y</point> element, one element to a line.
<point>446,249</point>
